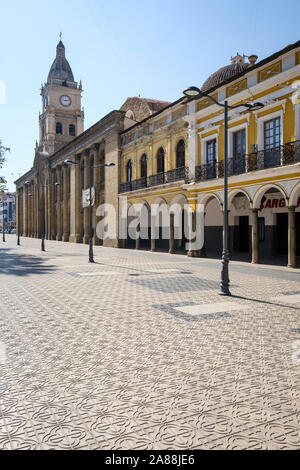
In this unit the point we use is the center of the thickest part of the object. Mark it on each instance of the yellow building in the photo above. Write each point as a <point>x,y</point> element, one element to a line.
<point>176,156</point>
<point>170,155</point>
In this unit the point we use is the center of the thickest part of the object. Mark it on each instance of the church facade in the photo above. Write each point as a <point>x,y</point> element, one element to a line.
<point>171,154</point>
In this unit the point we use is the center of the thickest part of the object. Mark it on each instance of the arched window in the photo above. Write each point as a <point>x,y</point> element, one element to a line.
<point>72,129</point>
<point>59,128</point>
<point>130,115</point>
<point>161,160</point>
<point>129,171</point>
<point>180,154</point>
<point>144,166</point>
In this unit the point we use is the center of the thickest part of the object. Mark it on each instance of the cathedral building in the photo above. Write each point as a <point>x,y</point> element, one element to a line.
<point>168,154</point>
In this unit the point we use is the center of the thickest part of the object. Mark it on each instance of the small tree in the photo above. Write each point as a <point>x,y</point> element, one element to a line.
<point>2,184</point>
<point>3,151</point>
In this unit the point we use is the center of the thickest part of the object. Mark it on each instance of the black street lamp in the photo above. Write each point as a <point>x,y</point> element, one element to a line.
<point>195,93</point>
<point>90,167</point>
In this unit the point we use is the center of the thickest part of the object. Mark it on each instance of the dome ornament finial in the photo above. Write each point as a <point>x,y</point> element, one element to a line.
<point>238,59</point>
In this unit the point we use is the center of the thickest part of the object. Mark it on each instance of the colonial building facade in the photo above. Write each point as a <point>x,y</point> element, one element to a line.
<point>170,154</point>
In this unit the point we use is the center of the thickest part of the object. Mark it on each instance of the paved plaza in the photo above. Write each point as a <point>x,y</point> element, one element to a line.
<point>138,351</point>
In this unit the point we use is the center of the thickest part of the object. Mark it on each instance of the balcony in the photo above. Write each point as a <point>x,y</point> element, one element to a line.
<point>155,180</point>
<point>287,154</point>
<point>206,171</point>
<point>139,183</point>
<point>171,176</point>
<point>125,187</point>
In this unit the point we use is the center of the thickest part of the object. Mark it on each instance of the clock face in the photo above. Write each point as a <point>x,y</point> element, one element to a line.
<point>65,100</point>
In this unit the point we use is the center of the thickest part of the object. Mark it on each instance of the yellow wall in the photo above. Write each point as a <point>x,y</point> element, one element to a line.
<point>168,143</point>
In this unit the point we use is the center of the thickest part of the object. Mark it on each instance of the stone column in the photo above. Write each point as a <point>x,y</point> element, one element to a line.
<point>46,187</point>
<point>292,237</point>
<point>25,210</point>
<point>29,209</point>
<point>193,253</point>
<point>36,208</point>
<point>153,233</point>
<point>50,198</point>
<point>97,181</point>
<point>86,226</point>
<point>39,208</point>
<point>75,201</point>
<point>58,204</point>
<point>33,210</point>
<point>48,208</point>
<point>66,229</point>
<point>171,234</point>
<point>52,204</point>
<point>78,196</point>
<point>255,240</point>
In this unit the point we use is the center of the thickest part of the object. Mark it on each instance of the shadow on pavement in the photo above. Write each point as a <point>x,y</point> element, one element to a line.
<point>265,302</point>
<point>22,264</point>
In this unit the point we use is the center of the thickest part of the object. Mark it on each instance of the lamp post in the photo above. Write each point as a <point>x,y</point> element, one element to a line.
<point>195,93</point>
<point>43,210</point>
<point>90,168</point>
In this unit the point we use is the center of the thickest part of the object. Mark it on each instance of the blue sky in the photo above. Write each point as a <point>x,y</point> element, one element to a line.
<point>124,48</point>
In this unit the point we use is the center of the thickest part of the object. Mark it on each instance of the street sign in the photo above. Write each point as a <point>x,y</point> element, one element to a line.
<point>86,197</point>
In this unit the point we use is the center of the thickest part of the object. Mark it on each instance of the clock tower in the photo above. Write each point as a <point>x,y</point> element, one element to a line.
<point>62,118</point>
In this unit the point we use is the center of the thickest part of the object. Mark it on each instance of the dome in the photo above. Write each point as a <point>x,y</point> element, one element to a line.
<point>228,72</point>
<point>60,69</point>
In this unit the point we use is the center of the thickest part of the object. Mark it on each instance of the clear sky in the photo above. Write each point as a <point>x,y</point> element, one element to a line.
<point>122,48</point>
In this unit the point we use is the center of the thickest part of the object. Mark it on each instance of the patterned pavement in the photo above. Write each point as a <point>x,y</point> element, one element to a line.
<point>135,351</point>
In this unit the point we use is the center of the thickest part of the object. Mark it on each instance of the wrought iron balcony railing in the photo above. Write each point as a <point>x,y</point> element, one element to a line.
<point>206,171</point>
<point>125,187</point>
<point>170,176</point>
<point>139,183</point>
<point>177,174</point>
<point>282,155</point>
<point>155,180</point>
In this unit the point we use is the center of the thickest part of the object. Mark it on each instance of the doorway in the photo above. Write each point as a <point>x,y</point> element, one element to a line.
<point>244,234</point>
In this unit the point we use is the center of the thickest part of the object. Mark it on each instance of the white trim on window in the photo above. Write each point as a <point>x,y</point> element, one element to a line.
<point>204,141</point>
<point>260,127</point>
